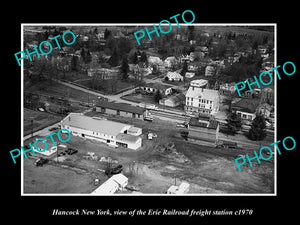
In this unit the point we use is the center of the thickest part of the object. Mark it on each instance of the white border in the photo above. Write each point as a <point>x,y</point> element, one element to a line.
<point>150,24</point>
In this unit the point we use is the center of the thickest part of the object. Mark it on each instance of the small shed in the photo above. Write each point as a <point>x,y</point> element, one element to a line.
<point>116,183</point>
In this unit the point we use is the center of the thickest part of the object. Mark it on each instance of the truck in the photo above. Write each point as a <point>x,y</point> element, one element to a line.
<point>41,161</point>
<point>148,118</point>
<point>113,170</point>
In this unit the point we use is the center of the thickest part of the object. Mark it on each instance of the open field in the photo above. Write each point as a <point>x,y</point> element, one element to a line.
<point>152,169</point>
<point>61,90</point>
<point>40,120</point>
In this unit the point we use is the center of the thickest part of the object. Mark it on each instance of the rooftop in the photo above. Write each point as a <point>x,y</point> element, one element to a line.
<point>127,137</point>
<point>196,92</point>
<point>213,124</point>
<point>158,86</point>
<point>246,105</point>
<point>120,106</point>
<point>112,184</point>
<point>97,125</point>
<point>198,83</point>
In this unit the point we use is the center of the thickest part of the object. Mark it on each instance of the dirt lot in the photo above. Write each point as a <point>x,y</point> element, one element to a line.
<point>151,169</point>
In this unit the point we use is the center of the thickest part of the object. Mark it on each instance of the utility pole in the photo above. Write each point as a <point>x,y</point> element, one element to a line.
<point>31,127</point>
<point>57,152</point>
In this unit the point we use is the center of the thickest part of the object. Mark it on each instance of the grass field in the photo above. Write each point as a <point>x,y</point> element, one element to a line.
<point>57,89</point>
<point>40,120</point>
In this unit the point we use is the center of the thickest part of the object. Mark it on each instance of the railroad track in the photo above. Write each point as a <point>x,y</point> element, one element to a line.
<point>168,115</point>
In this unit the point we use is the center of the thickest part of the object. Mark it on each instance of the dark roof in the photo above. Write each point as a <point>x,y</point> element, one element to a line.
<point>246,105</point>
<point>158,86</point>
<point>120,106</point>
<point>213,124</point>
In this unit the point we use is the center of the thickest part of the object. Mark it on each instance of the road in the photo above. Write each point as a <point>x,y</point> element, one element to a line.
<point>110,97</point>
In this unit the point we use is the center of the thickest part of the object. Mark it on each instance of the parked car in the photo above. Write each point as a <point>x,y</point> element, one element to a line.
<point>112,145</point>
<point>180,125</point>
<point>71,151</point>
<point>41,161</point>
<point>148,118</point>
<point>96,182</point>
<point>154,107</point>
<point>142,105</point>
<point>150,136</point>
<point>61,153</point>
<point>53,128</point>
<point>226,144</point>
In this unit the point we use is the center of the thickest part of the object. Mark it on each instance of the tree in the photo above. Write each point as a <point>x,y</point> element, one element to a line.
<point>191,30</point>
<point>144,57</point>
<point>124,69</point>
<point>234,123</point>
<point>42,70</point>
<point>88,57</point>
<point>106,33</point>
<point>157,96</point>
<point>74,63</point>
<point>124,46</point>
<point>114,59</point>
<point>82,53</point>
<point>134,58</point>
<point>62,65</point>
<point>184,69</point>
<point>257,131</point>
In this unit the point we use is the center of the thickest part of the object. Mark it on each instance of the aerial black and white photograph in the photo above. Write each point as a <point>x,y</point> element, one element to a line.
<point>152,115</point>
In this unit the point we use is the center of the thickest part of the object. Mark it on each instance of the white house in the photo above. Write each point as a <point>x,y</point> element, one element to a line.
<point>246,108</point>
<point>173,101</point>
<point>170,61</point>
<point>155,60</point>
<point>174,76</point>
<point>210,70</point>
<point>227,88</point>
<point>103,73</point>
<point>200,100</point>
<point>189,74</point>
<point>154,87</point>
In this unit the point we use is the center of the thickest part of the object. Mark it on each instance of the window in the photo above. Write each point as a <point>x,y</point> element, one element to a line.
<point>244,116</point>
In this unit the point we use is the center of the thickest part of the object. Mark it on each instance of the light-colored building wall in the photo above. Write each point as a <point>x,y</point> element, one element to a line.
<point>75,131</point>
